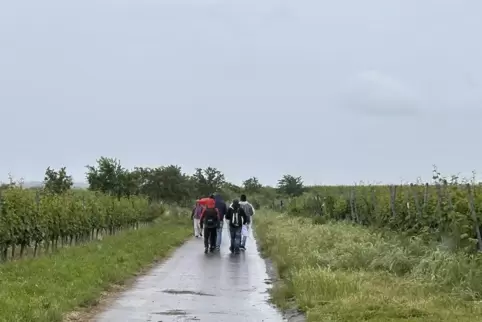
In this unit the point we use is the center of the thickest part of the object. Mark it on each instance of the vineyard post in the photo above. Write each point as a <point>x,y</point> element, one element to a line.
<point>406,200</point>
<point>416,201</point>
<point>375,204</point>
<point>37,206</point>
<point>369,210</point>
<point>474,216</point>
<point>352,206</point>
<point>425,197</point>
<point>355,205</point>
<point>325,206</point>
<point>448,195</point>
<point>393,193</point>
<point>322,204</point>
<point>438,209</point>
<point>319,205</point>
<point>4,247</point>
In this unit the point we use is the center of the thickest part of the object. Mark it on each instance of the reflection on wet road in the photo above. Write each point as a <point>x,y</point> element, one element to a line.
<point>193,286</point>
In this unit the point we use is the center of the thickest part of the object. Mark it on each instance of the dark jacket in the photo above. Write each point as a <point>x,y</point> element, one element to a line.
<point>221,206</point>
<point>244,218</point>
<point>214,211</point>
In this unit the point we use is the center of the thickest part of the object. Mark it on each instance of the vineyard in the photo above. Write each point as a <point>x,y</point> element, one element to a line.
<point>447,211</point>
<point>34,220</point>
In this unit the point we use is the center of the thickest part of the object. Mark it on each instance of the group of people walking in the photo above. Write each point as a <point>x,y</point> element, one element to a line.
<point>209,216</point>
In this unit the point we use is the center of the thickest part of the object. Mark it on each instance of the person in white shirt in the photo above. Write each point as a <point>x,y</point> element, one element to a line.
<point>249,210</point>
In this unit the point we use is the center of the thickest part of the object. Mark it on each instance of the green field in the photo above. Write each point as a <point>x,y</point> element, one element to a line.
<point>47,288</point>
<point>341,271</point>
<point>344,253</point>
<point>379,253</point>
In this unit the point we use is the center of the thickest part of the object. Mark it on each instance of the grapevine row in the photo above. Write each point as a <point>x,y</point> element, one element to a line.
<point>447,212</point>
<point>34,218</point>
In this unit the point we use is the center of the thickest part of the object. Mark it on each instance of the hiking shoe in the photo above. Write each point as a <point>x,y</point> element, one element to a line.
<point>205,250</point>
<point>212,250</point>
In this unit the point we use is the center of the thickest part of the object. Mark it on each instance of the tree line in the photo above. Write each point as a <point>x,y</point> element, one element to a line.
<point>169,183</point>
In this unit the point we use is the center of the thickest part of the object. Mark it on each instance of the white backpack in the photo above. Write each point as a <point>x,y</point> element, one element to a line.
<point>236,221</point>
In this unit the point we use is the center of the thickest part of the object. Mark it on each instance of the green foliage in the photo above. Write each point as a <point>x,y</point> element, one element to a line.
<point>57,181</point>
<point>170,184</point>
<point>339,271</point>
<point>111,178</point>
<point>208,181</point>
<point>165,183</point>
<point>49,288</point>
<point>252,185</point>
<point>32,218</point>
<point>290,185</point>
<point>442,211</point>
<point>117,198</point>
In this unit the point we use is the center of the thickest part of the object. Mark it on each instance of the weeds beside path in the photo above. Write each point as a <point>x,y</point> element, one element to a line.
<point>341,272</point>
<point>47,288</point>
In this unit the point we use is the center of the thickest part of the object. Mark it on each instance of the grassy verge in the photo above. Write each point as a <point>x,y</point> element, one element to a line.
<point>341,272</point>
<point>46,288</point>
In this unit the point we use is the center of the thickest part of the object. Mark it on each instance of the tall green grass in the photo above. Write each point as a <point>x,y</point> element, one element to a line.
<point>345,272</point>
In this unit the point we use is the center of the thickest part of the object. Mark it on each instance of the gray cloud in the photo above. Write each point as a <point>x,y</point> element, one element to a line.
<point>375,93</point>
<point>334,91</point>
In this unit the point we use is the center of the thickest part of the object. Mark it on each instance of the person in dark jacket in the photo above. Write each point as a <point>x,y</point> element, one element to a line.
<point>222,209</point>
<point>236,218</point>
<point>209,222</point>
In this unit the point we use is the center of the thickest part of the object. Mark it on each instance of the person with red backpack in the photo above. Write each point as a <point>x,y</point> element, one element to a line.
<point>210,221</point>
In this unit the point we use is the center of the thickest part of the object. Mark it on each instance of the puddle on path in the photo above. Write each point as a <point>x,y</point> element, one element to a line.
<point>170,291</point>
<point>171,312</point>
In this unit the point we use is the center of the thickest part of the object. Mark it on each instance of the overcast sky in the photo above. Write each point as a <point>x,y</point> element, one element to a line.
<point>334,91</point>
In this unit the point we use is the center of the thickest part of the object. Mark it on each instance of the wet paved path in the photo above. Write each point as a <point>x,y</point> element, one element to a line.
<point>193,286</point>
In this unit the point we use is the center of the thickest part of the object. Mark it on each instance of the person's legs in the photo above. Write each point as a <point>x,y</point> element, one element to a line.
<point>232,237</point>
<point>219,235</point>
<point>243,242</point>
<point>244,236</point>
<point>206,239</point>
<point>212,239</point>
<point>237,239</point>
<point>197,228</point>
<point>248,227</point>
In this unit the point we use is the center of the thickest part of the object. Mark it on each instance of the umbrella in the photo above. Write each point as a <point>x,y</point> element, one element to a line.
<point>203,201</point>
<point>206,202</point>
